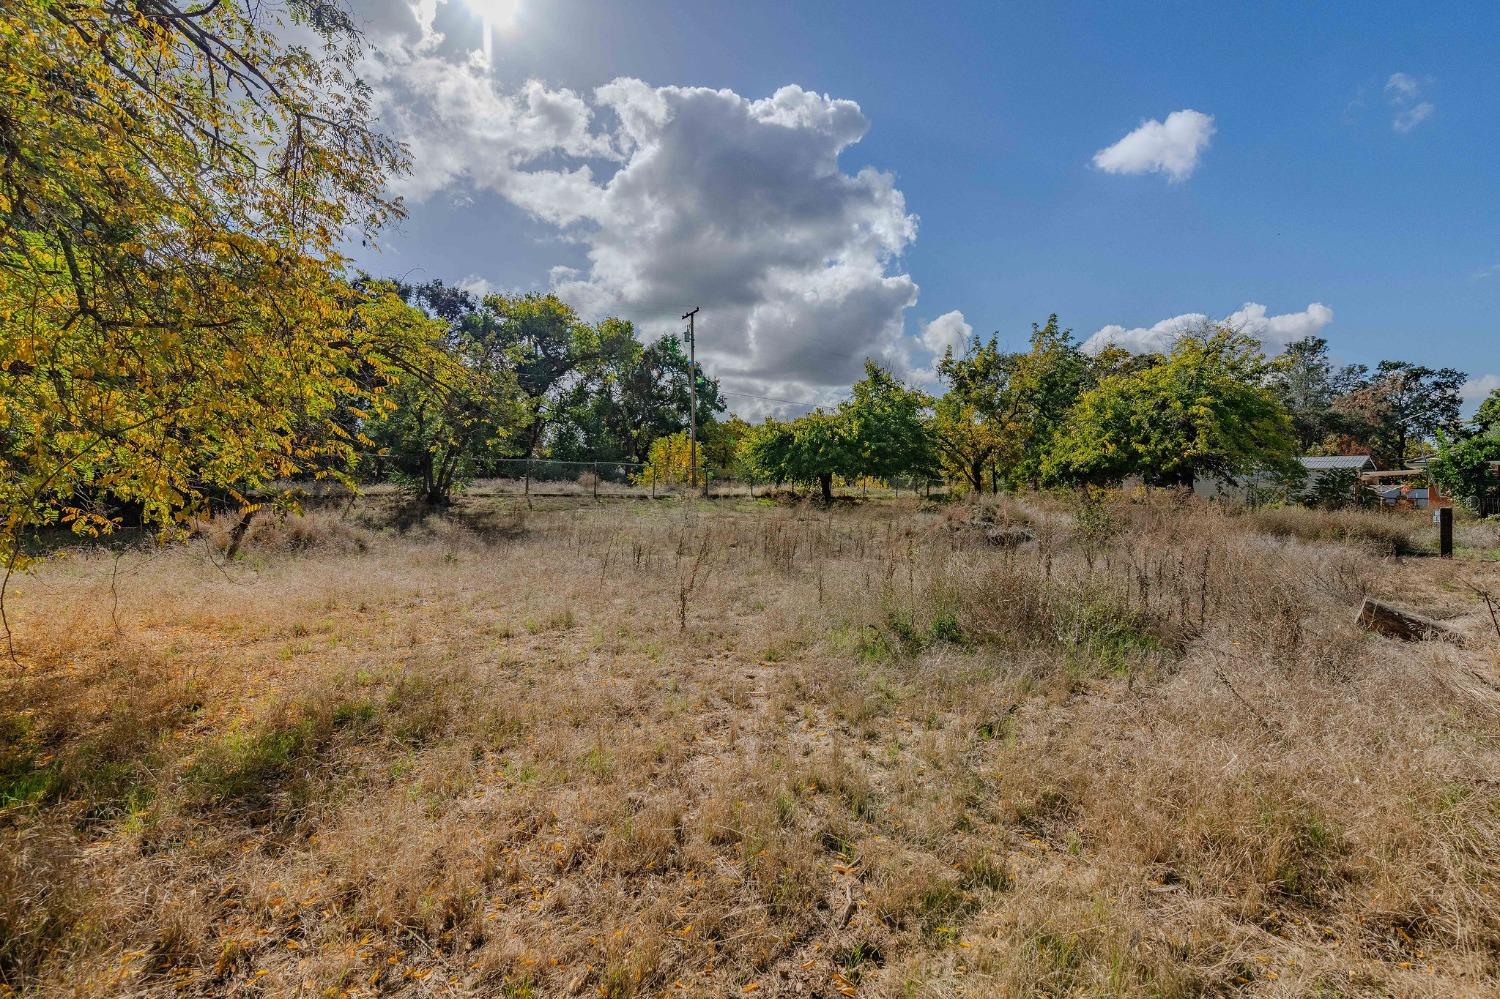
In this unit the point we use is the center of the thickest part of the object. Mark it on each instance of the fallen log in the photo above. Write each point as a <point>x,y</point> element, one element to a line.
<point>1385,619</point>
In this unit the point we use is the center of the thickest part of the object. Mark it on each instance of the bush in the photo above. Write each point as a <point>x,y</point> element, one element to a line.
<point>1466,469</point>
<point>1338,489</point>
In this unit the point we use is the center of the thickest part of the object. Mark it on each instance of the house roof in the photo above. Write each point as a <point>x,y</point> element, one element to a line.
<point>1322,463</point>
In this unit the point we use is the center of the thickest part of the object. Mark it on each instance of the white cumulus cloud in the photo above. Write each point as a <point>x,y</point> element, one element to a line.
<point>1478,388</point>
<point>936,336</point>
<point>1171,147</point>
<point>1404,94</point>
<point>1274,332</point>
<point>947,330</point>
<point>679,197</point>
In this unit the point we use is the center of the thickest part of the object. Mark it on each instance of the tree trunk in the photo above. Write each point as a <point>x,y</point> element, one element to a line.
<point>825,482</point>
<point>237,536</point>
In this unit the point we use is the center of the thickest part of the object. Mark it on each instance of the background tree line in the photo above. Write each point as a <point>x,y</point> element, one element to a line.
<point>1213,406</point>
<point>179,330</point>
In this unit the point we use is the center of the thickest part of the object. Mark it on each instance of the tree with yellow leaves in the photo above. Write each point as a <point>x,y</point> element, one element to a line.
<point>174,324</point>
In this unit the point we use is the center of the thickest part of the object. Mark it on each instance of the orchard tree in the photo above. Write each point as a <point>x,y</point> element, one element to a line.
<point>1203,410</point>
<point>888,427</point>
<point>1001,410</point>
<point>811,449</point>
<point>1042,385</point>
<point>967,428</point>
<point>174,186</point>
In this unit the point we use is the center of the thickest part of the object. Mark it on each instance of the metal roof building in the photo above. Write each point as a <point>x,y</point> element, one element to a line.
<point>1325,463</point>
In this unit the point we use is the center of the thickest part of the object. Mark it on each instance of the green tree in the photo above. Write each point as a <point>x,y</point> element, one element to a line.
<point>1487,419</point>
<point>1001,410</point>
<point>1466,468</point>
<point>630,396</point>
<point>552,350</point>
<point>1402,408</point>
<point>888,427</point>
<point>967,430</point>
<point>440,424</point>
<point>1308,383</point>
<point>1203,411</point>
<point>1043,384</point>
<point>723,445</point>
<point>811,449</point>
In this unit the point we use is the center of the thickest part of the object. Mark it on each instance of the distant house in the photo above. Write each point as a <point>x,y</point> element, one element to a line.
<point>1405,488</point>
<point>1347,465</point>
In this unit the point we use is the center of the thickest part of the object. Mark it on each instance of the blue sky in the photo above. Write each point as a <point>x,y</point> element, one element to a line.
<point>1351,163</point>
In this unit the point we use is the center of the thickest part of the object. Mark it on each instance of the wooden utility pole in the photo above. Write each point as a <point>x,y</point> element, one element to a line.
<point>692,340</point>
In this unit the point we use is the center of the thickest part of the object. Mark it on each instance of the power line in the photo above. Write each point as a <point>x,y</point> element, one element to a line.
<point>766,398</point>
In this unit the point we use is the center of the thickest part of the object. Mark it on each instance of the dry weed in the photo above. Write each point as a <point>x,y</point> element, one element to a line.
<point>740,749</point>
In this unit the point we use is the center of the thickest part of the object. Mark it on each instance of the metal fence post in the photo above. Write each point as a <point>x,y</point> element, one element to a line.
<point>596,480</point>
<point>653,481</point>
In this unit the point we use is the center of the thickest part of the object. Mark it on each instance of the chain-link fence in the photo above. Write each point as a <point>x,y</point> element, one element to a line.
<point>542,477</point>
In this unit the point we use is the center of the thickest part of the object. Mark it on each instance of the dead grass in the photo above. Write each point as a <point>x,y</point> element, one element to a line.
<point>1144,754</point>
<point>1383,532</point>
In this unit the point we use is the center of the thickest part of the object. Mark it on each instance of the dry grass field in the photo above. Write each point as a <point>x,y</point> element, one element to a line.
<point>639,749</point>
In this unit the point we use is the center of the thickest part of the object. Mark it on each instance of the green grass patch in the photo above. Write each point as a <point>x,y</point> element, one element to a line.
<point>245,767</point>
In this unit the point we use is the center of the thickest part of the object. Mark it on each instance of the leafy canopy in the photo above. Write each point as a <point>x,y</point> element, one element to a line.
<point>1402,407</point>
<point>879,431</point>
<point>1468,468</point>
<point>811,448</point>
<point>1001,411</point>
<point>1202,410</point>
<point>437,430</point>
<point>1487,418</point>
<point>173,324</point>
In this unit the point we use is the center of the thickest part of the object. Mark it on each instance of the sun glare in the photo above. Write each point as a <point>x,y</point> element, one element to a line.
<point>498,15</point>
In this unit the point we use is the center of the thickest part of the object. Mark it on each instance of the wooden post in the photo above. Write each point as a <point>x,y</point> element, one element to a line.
<point>1445,531</point>
<point>653,481</point>
<point>596,480</point>
<point>692,339</point>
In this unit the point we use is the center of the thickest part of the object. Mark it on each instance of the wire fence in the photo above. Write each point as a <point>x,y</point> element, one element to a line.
<point>543,477</point>
<point>1484,506</point>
